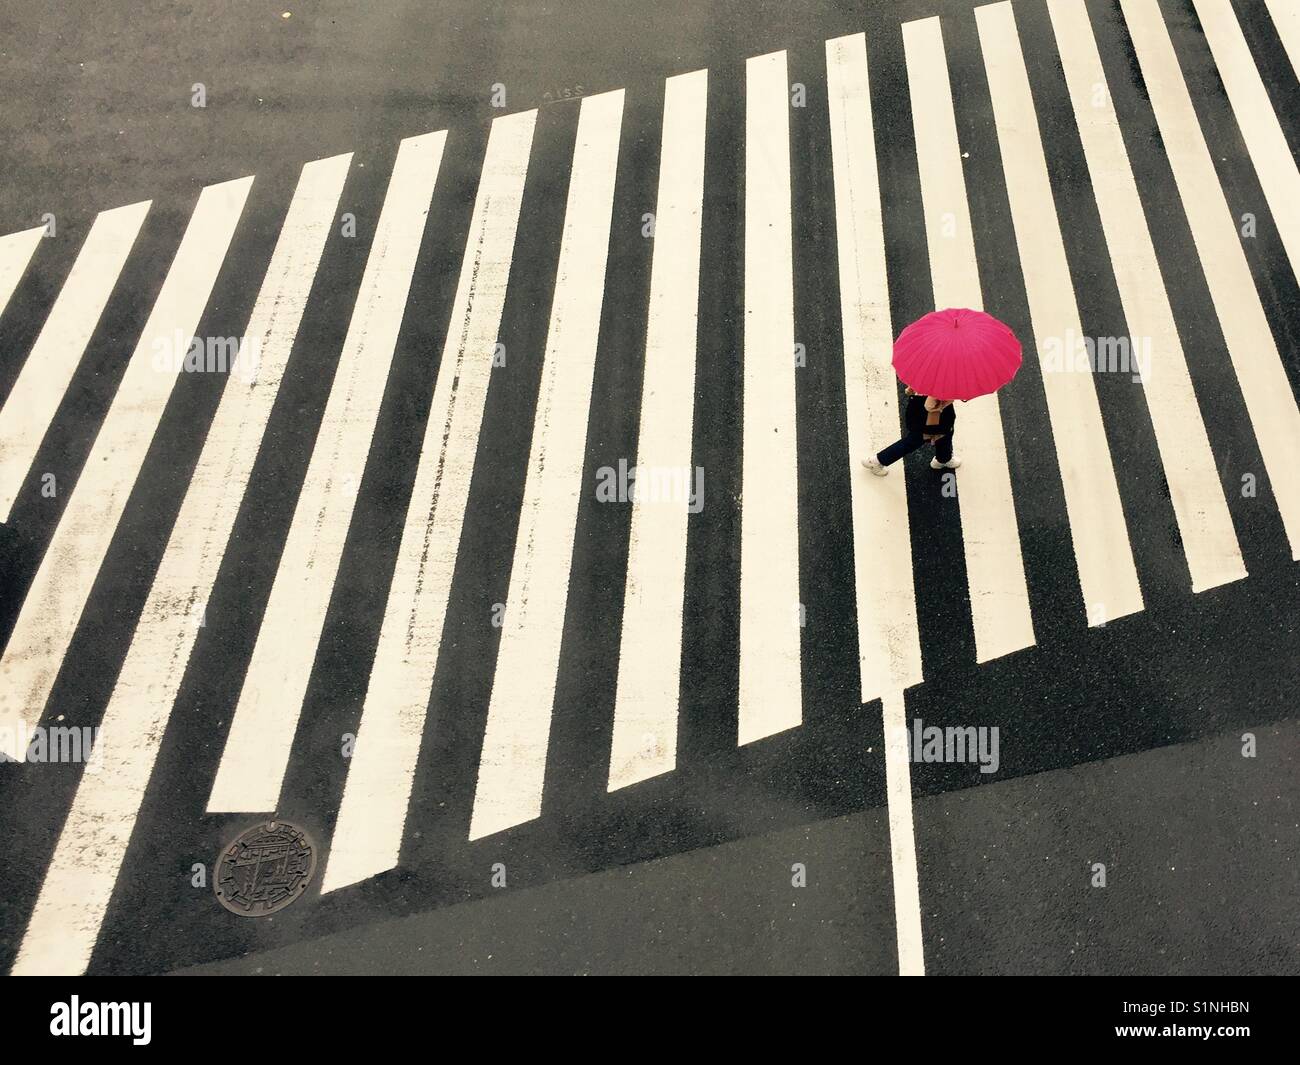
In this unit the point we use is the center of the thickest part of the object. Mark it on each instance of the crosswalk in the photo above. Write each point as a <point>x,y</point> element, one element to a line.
<point>515,762</point>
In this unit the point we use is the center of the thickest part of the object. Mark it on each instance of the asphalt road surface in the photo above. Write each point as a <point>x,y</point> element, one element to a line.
<point>365,559</point>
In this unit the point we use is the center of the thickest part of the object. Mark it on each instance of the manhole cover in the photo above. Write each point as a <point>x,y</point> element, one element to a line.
<point>265,869</point>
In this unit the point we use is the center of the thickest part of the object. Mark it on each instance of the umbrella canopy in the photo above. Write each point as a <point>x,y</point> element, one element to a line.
<point>956,353</point>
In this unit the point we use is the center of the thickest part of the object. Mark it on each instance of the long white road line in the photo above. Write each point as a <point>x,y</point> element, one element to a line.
<point>649,666</point>
<point>512,767</point>
<point>29,408</point>
<point>261,735</point>
<point>1209,540</point>
<point>889,648</point>
<point>1104,556</point>
<point>368,835</point>
<point>62,584</point>
<point>79,882</point>
<point>902,837</point>
<point>771,609</point>
<point>999,594</point>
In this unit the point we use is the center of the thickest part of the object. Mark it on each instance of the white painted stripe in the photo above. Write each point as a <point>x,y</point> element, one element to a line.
<point>1209,540</point>
<point>368,837</point>
<point>1250,342</point>
<point>889,647</point>
<point>67,571</point>
<point>771,611</point>
<point>44,378</point>
<point>999,595</point>
<point>513,763</point>
<point>261,733</point>
<point>16,251</point>
<point>649,666</point>
<point>79,881</point>
<point>1286,20</point>
<point>902,837</point>
<point>1259,124</point>
<point>1107,574</point>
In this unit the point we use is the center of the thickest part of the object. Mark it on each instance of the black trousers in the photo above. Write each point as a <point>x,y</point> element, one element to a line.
<point>909,443</point>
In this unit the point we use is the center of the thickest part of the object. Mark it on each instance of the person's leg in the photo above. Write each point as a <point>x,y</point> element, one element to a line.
<point>943,448</point>
<point>897,450</point>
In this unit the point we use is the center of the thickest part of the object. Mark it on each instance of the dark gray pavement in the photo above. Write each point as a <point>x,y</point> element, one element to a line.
<point>1197,855</point>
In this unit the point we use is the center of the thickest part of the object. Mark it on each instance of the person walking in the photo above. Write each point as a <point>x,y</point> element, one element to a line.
<point>926,420</point>
<point>959,353</point>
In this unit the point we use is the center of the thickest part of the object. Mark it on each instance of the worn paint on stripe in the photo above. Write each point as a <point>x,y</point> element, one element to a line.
<point>368,836</point>
<point>62,584</point>
<point>29,408</point>
<point>512,767</point>
<point>257,750</point>
<point>79,881</point>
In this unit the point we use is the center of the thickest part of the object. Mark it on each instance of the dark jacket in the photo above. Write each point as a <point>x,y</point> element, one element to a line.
<point>915,415</point>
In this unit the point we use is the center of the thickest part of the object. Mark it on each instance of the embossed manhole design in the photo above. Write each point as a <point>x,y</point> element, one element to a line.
<point>265,869</point>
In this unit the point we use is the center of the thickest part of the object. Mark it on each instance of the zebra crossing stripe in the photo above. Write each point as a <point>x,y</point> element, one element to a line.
<point>1265,142</point>
<point>1209,539</point>
<point>649,666</point>
<point>1286,20</point>
<point>16,251</point>
<point>368,835</point>
<point>999,594</point>
<point>889,645</point>
<point>512,767</point>
<point>270,703</point>
<point>29,408</point>
<point>62,584</point>
<point>771,611</point>
<point>1107,573</point>
<point>1254,353</point>
<point>79,882</point>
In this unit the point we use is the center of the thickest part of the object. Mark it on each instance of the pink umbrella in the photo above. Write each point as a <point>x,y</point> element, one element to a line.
<point>956,354</point>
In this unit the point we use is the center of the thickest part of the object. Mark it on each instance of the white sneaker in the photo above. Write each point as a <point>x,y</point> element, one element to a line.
<point>874,466</point>
<point>951,464</point>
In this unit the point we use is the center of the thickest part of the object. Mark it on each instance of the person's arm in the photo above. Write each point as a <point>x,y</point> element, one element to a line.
<point>934,410</point>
